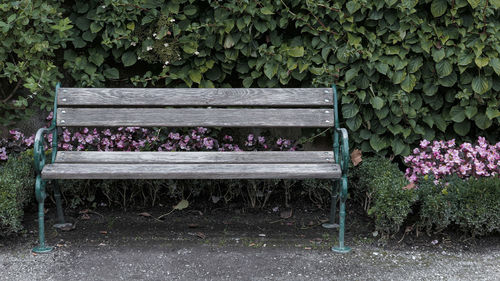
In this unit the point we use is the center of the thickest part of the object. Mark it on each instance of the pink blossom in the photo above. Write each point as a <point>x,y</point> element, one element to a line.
<point>3,154</point>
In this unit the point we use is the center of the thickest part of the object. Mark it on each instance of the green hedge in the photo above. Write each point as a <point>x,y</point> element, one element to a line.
<point>378,185</point>
<point>30,33</point>
<point>17,181</point>
<point>407,69</point>
<point>472,205</point>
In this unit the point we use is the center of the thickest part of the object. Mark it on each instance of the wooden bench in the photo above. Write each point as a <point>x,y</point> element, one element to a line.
<point>181,107</point>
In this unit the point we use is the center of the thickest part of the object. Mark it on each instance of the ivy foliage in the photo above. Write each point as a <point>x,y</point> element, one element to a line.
<point>30,33</point>
<point>407,70</point>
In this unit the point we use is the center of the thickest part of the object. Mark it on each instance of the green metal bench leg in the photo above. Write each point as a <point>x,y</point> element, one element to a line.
<point>40,197</point>
<point>341,248</point>
<point>57,196</point>
<point>333,207</point>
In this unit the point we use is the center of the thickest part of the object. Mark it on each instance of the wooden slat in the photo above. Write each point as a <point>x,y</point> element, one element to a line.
<point>205,157</point>
<point>188,117</point>
<point>148,97</point>
<point>189,171</point>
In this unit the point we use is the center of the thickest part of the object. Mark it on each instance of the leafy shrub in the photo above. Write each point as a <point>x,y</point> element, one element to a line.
<point>30,33</point>
<point>380,185</point>
<point>445,158</point>
<point>17,182</point>
<point>471,204</point>
<point>407,70</point>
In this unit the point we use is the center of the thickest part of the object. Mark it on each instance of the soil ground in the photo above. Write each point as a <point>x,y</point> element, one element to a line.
<point>239,244</point>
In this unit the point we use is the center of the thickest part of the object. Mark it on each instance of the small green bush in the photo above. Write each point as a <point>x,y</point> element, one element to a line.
<point>379,184</point>
<point>473,204</point>
<point>17,181</point>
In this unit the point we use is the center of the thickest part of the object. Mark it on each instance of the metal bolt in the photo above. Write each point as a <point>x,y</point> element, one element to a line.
<point>65,90</point>
<point>326,92</point>
<point>327,121</point>
<point>63,99</point>
<point>327,100</point>
<point>327,159</point>
<point>326,111</point>
<point>62,121</point>
<point>64,111</point>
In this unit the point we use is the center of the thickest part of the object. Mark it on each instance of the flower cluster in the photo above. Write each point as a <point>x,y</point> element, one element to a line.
<point>139,139</point>
<point>442,158</point>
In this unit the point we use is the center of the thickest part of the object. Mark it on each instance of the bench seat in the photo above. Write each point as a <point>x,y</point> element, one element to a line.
<point>192,165</point>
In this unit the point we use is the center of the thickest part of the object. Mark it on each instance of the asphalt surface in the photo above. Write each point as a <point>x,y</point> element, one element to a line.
<point>200,261</point>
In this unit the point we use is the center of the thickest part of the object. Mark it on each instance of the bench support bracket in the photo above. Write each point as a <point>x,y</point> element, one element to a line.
<point>40,156</point>
<point>40,197</point>
<point>341,154</point>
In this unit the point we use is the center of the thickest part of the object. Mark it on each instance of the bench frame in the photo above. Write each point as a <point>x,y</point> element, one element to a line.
<point>339,188</point>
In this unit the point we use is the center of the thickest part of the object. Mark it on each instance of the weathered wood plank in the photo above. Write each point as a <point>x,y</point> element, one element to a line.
<point>202,157</point>
<point>189,171</point>
<point>188,117</point>
<point>291,97</point>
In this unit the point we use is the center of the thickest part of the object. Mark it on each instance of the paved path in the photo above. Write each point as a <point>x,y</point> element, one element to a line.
<point>209,262</point>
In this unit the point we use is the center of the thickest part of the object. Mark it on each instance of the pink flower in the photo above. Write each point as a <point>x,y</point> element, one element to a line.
<point>424,143</point>
<point>16,135</point>
<point>29,141</point>
<point>3,154</point>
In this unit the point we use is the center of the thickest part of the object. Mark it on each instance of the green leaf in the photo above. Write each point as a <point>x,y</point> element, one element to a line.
<point>462,128</point>
<point>495,63</point>
<point>470,111</point>
<point>482,121</point>
<point>129,58</point>
<point>183,204</point>
<point>353,6</point>
<point>350,74</point>
<point>96,58</point>
<point>82,23</point>
<point>444,68</point>
<point>398,146</point>
<point>354,123</point>
<point>296,52</point>
<point>495,3</point>
<point>440,123</point>
<point>189,10</point>
<point>438,7</point>
<point>382,67</point>
<point>428,120</point>
<point>190,47</point>
<point>474,3</point>
<point>195,75</point>
<point>111,73</point>
<point>482,61</point>
<point>492,112</point>
<point>409,83</point>
<point>438,54</point>
<point>270,69</point>
<point>95,27</point>
<point>377,102</point>
<point>228,42</point>
<point>457,114</point>
<point>266,11</point>
<point>377,143</point>
<point>480,84</point>
<point>247,82</point>
<point>349,110</point>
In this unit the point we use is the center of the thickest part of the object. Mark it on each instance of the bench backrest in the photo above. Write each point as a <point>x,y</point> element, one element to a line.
<point>187,107</point>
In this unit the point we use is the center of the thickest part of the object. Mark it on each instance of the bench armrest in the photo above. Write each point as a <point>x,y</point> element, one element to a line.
<point>344,150</point>
<point>39,147</point>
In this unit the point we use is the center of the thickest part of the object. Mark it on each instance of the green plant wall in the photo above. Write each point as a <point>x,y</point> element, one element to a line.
<point>407,70</point>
